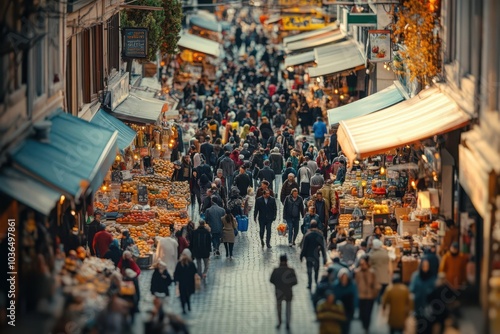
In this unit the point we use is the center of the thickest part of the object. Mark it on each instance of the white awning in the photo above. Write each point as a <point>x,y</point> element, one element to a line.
<point>310,43</point>
<point>346,56</point>
<point>309,34</point>
<point>425,115</point>
<point>323,52</point>
<point>301,58</point>
<point>205,23</point>
<point>378,101</point>
<point>199,44</point>
<point>139,109</point>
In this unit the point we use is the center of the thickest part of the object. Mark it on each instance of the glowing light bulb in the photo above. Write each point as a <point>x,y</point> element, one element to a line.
<point>413,184</point>
<point>61,200</point>
<point>73,212</point>
<point>382,170</point>
<point>336,91</point>
<point>342,96</point>
<point>104,188</point>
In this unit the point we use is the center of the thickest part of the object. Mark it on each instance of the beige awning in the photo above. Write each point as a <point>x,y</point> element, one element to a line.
<point>309,34</point>
<point>298,59</point>
<point>310,43</point>
<point>425,115</point>
<point>199,44</point>
<point>336,58</point>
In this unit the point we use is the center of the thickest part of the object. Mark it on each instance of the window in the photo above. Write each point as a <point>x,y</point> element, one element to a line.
<point>69,78</point>
<point>98,74</point>
<point>449,22</point>
<point>113,43</point>
<point>39,66</point>
<point>85,66</point>
<point>54,47</point>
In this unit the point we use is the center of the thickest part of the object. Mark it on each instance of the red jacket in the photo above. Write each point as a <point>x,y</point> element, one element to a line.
<point>122,265</point>
<point>101,243</point>
<point>183,244</point>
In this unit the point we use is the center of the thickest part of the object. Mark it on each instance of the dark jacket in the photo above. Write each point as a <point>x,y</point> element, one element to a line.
<point>276,160</point>
<point>201,243</point>
<point>265,212</point>
<point>160,282</point>
<point>286,189</point>
<point>185,276</point>
<point>293,209</point>
<point>92,229</point>
<point>206,149</point>
<point>267,174</point>
<point>114,253</point>
<point>314,243</point>
<point>260,192</point>
<point>227,165</point>
<point>205,169</point>
<point>213,217</point>
<point>283,278</point>
<point>243,181</point>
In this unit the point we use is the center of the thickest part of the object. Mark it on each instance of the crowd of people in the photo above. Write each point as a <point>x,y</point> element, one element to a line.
<point>265,152</point>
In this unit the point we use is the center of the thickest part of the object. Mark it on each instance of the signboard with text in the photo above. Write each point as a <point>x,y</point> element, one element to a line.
<point>135,42</point>
<point>303,22</point>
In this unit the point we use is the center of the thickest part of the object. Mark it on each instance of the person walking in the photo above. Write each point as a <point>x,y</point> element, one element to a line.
<point>166,251</point>
<point>381,264</point>
<point>453,264</point>
<point>397,299</point>
<point>267,174</point>
<point>309,218</point>
<point>284,278</point>
<point>293,210</point>
<point>368,288</point>
<point>330,315</point>
<point>422,284</point>
<point>313,244</point>
<point>242,181</point>
<point>201,246</point>
<point>320,130</point>
<point>227,165</point>
<point>229,225</point>
<point>317,181</point>
<point>102,240</point>
<point>213,217</point>
<point>114,252</point>
<point>277,165</point>
<point>184,276</point>
<point>160,281</point>
<point>288,186</point>
<point>91,230</point>
<point>304,175</point>
<point>345,290</point>
<point>266,210</point>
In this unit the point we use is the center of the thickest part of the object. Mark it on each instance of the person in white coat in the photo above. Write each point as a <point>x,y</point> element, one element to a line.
<point>166,251</point>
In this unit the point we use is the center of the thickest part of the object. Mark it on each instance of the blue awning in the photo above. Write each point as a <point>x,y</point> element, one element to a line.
<point>28,191</point>
<point>205,23</point>
<point>125,134</point>
<point>76,151</point>
<point>375,102</point>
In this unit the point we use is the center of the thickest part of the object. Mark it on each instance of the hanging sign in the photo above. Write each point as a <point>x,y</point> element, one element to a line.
<point>135,42</point>
<point>126,175</point>
<point>161,203</point>
<point>116,176</point>
<point>380,45</point>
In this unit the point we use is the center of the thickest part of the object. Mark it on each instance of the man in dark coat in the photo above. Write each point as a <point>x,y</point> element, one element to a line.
<point>284,278</point>
<point>267,174</point>
<point>293,209</point>
<point>314,243</point>
<point>288,186</point>
<point>213,218</point>
<point>92,229</point>
<point>206,149</point>
<point>266,210</point>
<point>227,165</point>
<point>242,181</point>
<point>201,247</point>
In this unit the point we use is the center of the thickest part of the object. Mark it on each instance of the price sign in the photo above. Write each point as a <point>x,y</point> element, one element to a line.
<point>150,170</point>
<point>162,203</point>
<point>170,206</point>
<point>116,176</point>
<point>125,197</point>
<point>142,194</point>
<point>126,175</point>
<point>357,226</point>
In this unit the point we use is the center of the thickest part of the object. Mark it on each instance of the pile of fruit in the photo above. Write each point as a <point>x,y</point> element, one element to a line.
<point>282,228</point>
<point>170,217</point>
<point>153,182</point>
<point>136,217</point>
<point>125,206</point>
<point>113,205</point>
<point>179,202</point>
<point>98,206</point>
<point>380,209</point>
<point>164,192</point>
<point>164,168</point>
<point>180,188</point>
<point>129,187</point>
<point>344,220</point>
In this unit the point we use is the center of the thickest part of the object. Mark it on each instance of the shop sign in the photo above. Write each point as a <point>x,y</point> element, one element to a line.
<point>318,3</point>
<point>307,22</point>
<point>161,203</point>
<point>474,179</point>
<point>380,45</point>
<point>357,226</point>
<point>125,197</point>
<point>142,194</point>
<point>119,90</point>
<point>116,176</point>
<point>135,42</point>
<point>126,175</point>
<point>150,170</point>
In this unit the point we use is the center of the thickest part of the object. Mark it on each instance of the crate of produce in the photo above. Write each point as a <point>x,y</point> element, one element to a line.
<point>145,261</point>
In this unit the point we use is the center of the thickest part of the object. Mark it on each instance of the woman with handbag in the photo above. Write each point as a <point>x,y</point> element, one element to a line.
<point>229,231</point>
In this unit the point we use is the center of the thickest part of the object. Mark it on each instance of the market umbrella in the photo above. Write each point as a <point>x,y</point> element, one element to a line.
<point>408,166</point>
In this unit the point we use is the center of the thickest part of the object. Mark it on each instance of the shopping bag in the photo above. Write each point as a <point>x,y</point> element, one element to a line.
<point>242,223</point>
<point>197,282</point>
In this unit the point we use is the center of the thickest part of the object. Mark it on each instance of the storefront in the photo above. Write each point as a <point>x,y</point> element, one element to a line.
<point>205,27</point>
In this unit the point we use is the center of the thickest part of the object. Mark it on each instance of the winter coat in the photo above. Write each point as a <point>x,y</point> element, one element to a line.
<point>227,165</point>
<point>102,240</point>
<point>166,251</point>
<point>114,253</point>
<point>455,269</point>
<point>380,262</point>
<point>397,297</point>
<point>229,225</point>
<point>201,243</point>
<point>313,245</point>
<point>160,282</point>
<point>276,161</point>
<point>287,188</point>
<point>366,281</point>
<point>183,244</point>
<point>317,181</point>
<point>243,181</point>
<point>128,264</point>
<point>330,317</point>
<point>306,223</point>
<point>293,209</point>
<point>287,171</point>
<point>265,212</point>
<point>283,278</point>
<point>348,295</point>
<point>321,211</point>
<point>267,174</point>
<point>213,217</point>
<point>421,288</point>
<point>184,274</point>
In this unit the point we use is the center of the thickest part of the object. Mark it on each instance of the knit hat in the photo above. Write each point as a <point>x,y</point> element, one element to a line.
<point>342,272</point>
<point>376,244</point>
<point>186,252</point>
<point>275,150</point>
